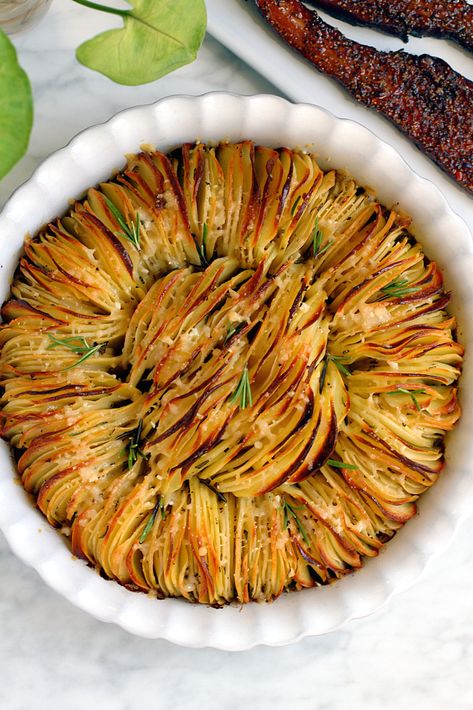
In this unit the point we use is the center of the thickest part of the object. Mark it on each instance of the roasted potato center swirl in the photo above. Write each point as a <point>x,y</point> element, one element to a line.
<point>240,392</point>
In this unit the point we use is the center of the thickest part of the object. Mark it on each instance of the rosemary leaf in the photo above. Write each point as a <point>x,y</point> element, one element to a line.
<point>398,288</point>
<point>342,464</point>
<point>327,246</point>
<point>344,370</point>
<point>294,206</point>
<point>338,362</point>
<point>202,248</point>
<point>76,343</point>
<point>81,347</point>
<point>134,446</point>
<point>131,232</point>
<point>152,518</point>
<point>316,238</point>
<point>289,511</point>
<point>411,394</point>
<point>242,393</point>
<point>131,457</point>
<point>86,356</point>
<point>233,329</point>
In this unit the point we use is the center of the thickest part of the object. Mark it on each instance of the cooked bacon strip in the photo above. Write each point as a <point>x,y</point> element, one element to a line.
<point>444,19</point>
<point>421,95</point>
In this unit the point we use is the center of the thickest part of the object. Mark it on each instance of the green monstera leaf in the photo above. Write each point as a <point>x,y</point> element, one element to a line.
<point>16,107</point>
<point>158,36</point>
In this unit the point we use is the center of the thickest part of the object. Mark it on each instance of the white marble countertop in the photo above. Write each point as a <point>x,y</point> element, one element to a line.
<point>415,653</point>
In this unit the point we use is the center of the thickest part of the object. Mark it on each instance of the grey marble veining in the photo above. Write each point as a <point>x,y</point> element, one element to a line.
<point>69,97</point>
<point>417,653</point>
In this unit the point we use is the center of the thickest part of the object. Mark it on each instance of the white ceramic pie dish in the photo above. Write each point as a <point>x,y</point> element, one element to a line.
<point>94,155</point>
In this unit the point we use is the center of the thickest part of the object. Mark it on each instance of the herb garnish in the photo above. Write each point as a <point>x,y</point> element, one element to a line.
<point>338,362</point>
<point>289,512</point>
<point>294,206</point>
<point>233,329</point>
<point>129,231</point>
<point>411,394</point>
<point>77,344</point>
<point>134,447</point>
<point>341,464</point>
<point>317,240</point>
<point>152,518</point>
<point>398,288</point>
<point>243,390</point>
<point>202,249</point>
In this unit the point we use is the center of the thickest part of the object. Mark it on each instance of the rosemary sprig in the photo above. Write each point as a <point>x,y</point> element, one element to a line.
<point>242,393</point>
<point>232,329</point>
<point>134,447</point>
<point>129,231</point>
<point>77,344</point>
<point>398,288</point>
<point>338,362</point>
<point>411,394</point>
<point>289,512</point>
<point>317,238</point>
<point>294,206</point>
<point>341,464</point>
<point>149,525</point>
<point>202,248</point>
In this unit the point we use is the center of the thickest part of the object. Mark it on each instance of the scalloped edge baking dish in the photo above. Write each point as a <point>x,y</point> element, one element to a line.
<point>94,155</point>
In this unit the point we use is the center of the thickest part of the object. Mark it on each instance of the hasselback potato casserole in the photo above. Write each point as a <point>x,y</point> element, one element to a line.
<point>227,374</point>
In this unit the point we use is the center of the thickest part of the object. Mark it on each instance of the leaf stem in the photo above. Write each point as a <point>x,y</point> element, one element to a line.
<point>103,8</point>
